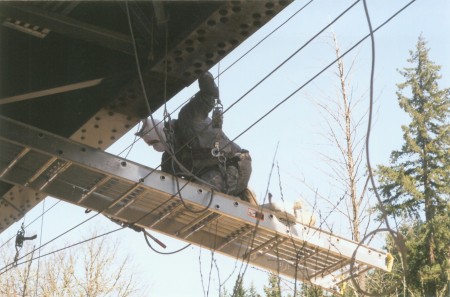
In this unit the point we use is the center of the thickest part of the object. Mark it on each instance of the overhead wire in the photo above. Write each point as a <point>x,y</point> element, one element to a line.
<point>64,248</point>
<point>268,75</point>
<point>239,99</point>
<point>232,64</point>
<point>169,148</point>
<point>48,242</point>
<point>320,72</point>
<point>293,54</point>
<point>397,239</point>
<point>267,36</point>
<point>29,224</point>
<point>323,70</point>
<point>314,76</point>
<point>380,26</point>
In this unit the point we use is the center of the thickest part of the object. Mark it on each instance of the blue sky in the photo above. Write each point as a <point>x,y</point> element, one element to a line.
<point>296,127</point>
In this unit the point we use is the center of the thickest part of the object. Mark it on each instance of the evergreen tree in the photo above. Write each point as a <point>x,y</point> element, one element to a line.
<point>239,290</point>
<point>311,291</point>
<point>273,288</point>
<point>252,291</point>
<point>416,184</point>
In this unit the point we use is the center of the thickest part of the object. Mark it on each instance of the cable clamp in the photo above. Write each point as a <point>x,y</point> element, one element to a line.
<point>217,115</point>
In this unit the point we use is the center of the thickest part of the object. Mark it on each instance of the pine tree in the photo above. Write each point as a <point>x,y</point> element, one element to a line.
<point>416,184</point>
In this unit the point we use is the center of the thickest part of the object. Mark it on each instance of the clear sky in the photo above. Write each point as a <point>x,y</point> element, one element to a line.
<point>296,126</point>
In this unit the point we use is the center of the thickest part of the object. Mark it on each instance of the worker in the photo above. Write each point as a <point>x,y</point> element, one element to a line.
<point>196,148</point>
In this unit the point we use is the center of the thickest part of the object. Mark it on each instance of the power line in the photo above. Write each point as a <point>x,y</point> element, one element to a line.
<point>267,36</point>
<point>60,235</point>
<point>256,85</point>
<point>150,112</point>
<point>6,242</point>
<point>64,248</point>
<point>293,54</point>
<point>321,71</point>
<point>232,64</point>
<point>283,101</point>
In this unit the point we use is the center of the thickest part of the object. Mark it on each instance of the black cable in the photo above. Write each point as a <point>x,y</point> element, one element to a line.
<point>267,36</point>
<point>320,72</point>
<point>137,61</point>
<point>64,248</point>
<point>245,95</point>
<point>169,149</point>
<point>369,124</point>
<point>293,54</point>
<point>6,242</point>
<point>164,253</point>
<point>397,239</point>
<point>41,246</point>
<point>279,66</point>
<point>232,64</point>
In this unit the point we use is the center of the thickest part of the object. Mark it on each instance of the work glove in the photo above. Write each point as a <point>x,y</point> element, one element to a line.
<point>208,86</point>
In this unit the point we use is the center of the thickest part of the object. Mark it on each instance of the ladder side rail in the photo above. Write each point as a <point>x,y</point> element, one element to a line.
<point>225,205</point>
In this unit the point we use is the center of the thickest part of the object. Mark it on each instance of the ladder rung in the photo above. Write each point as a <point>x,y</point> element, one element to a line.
<point>130,202</point>
<point>244,231</point>
<point>41,170</point>
<point>118,200</point>
<point>336,266</point>
<point>265,251</point>
<point>57,172</point>
<point>95,187</point>
<point>13,162</point>
<point>211,218</point>
<point>193,223</point>
<point>166,212</point>
<point>265,244</point>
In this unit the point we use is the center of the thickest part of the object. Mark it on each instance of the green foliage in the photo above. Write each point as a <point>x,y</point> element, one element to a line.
<point>417,178</point>
<point>273,289</point>
<point>240,291</point>
<point>311,291</point>
<point>416,184</point>
<point>252,291</point>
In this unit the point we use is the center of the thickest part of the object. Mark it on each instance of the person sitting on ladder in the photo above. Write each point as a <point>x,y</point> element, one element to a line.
<point>195,147</point>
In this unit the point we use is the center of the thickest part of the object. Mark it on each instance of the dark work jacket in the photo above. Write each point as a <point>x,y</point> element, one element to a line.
<point>193,131</point>
<point>194,126</point>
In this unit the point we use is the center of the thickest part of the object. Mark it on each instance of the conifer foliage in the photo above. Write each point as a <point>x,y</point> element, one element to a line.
<point>416,184</point>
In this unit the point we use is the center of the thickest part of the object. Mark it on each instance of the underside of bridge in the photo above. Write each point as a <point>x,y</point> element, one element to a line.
<point>69,67</point>
<point>69,88</point>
